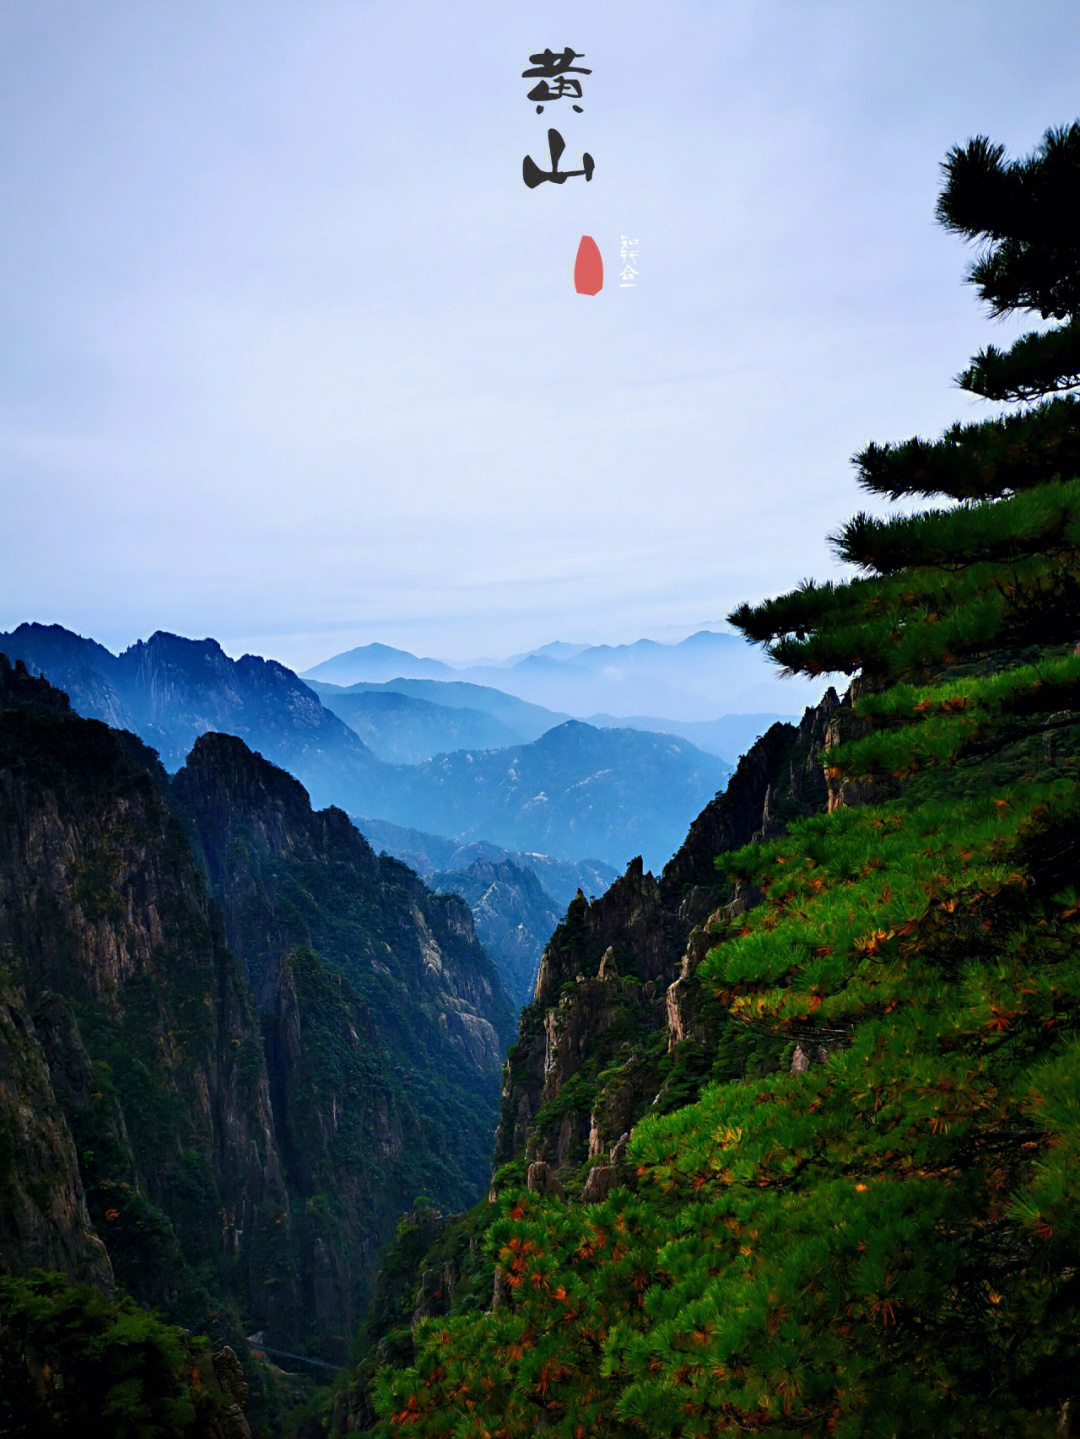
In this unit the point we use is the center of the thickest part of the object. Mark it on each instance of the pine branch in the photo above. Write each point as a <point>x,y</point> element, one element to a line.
<point>981,461</point>
<point>1040,363</point>
<point>1025,213</point>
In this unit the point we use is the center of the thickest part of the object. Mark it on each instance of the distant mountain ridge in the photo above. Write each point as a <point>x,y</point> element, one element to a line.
<point>377,662</point>
<point>527,721</point>
<point>429,854</point>
<point>710,673</point>
<point>728,737</point>
<point>456,714</point>
<point>516,899</point>
<point>170,690</point>
<point>574,792</point>
<point>404,729</point>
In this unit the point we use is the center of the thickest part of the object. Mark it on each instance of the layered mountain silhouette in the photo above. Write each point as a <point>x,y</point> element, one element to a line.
<point>377,662</point>
<point>403,729</point>
<point>709,674</point>
<point>410,720</point>
<point>431,854</point>
<point>169,690</point>
<point>455,705</point>
<point>574,792</point>
<point>235,1043</point>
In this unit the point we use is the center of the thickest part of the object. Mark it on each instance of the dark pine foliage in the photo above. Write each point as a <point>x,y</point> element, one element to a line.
<point>887,1242</point>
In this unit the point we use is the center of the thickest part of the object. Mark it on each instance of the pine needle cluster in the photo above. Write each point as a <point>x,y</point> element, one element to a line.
<point>887,1241</point>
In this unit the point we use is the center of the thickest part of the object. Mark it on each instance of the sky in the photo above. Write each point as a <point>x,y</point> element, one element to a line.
<point>291,356</point>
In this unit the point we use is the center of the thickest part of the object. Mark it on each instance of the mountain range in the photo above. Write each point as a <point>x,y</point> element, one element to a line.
<point>170,690</point>
<point>640,789</point>
<point>442,710</point>
<point>708,674</point>
<point>575,792</point>
<point>236,1044</point>
<point>404,728</point>
<point>429,854</point>
<point>410,720</point>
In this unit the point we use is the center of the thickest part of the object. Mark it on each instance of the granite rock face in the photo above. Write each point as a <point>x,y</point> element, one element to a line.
<point>260,841</point>
<point>44,1221</point>
<point>222,1020</point>
<point>170,690</point>
<point>514,916</point>
<point>154,1054</point>
<point>623,967</point>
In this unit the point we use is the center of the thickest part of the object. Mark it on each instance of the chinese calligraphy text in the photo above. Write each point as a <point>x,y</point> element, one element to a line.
<point>555,74</point>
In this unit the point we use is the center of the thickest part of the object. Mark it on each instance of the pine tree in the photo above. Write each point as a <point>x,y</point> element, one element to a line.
<point>888,1242</point>
<point>1025,212</point>
<point>1002,569</point>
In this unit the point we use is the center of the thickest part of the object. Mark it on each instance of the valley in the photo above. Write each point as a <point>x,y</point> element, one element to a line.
<point>661,1039</point>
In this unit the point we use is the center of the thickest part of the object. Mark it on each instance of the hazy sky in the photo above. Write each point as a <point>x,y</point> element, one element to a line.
<point>291,355</point>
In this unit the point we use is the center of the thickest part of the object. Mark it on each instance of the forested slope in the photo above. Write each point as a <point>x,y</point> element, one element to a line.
<point>234,1046</point>
<point>861,1218</point>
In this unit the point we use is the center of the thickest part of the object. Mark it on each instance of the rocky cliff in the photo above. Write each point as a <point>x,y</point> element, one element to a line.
<point>285,875</point>
<point>44,1221</point>
<point>618,1026</point>
<point>169,690</point>
<point>616,985</point>
<point>152,1047</point>
<point>375,996</point>
<point>223,1022</point>
<point>514,916</point>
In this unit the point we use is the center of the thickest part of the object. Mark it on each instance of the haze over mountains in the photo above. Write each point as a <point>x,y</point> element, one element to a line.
<point>706,675</point>
<point>406,721</point>
<point>573,791</point>
<point>431,854</point>
<point>508,802</point>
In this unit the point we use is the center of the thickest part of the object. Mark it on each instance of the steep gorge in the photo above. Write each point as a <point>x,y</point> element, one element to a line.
<point>224,1018</point>
<point>617,981</point>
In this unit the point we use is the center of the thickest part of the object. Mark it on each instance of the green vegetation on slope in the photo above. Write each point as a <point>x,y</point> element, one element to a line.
<point>882,1237</point>
<point>229,1158</point>
<point>75,1362</point>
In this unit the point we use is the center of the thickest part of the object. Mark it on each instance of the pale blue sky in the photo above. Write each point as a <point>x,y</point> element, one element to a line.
<point>291,357</point>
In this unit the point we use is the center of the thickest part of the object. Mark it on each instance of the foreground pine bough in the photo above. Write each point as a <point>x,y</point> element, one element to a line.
<point>872,1229</point>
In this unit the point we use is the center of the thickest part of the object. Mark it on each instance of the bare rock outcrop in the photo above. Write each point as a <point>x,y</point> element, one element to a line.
<point>44,1221</point>
<point>644,941</point>
<point>542,1179</point>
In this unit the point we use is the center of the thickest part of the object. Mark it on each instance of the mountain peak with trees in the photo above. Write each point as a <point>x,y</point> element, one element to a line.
<point>858,1213</point>
<point>789,1138</point>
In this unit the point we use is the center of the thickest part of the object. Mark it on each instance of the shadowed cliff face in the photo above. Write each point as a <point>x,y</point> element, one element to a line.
<point>617,980</point>
<point>239,1150</point>
<point>140,1013</point>
<point>170,690</point>
<point>286,876</point>
<point>44,1221</point>
<point>374,995</point>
